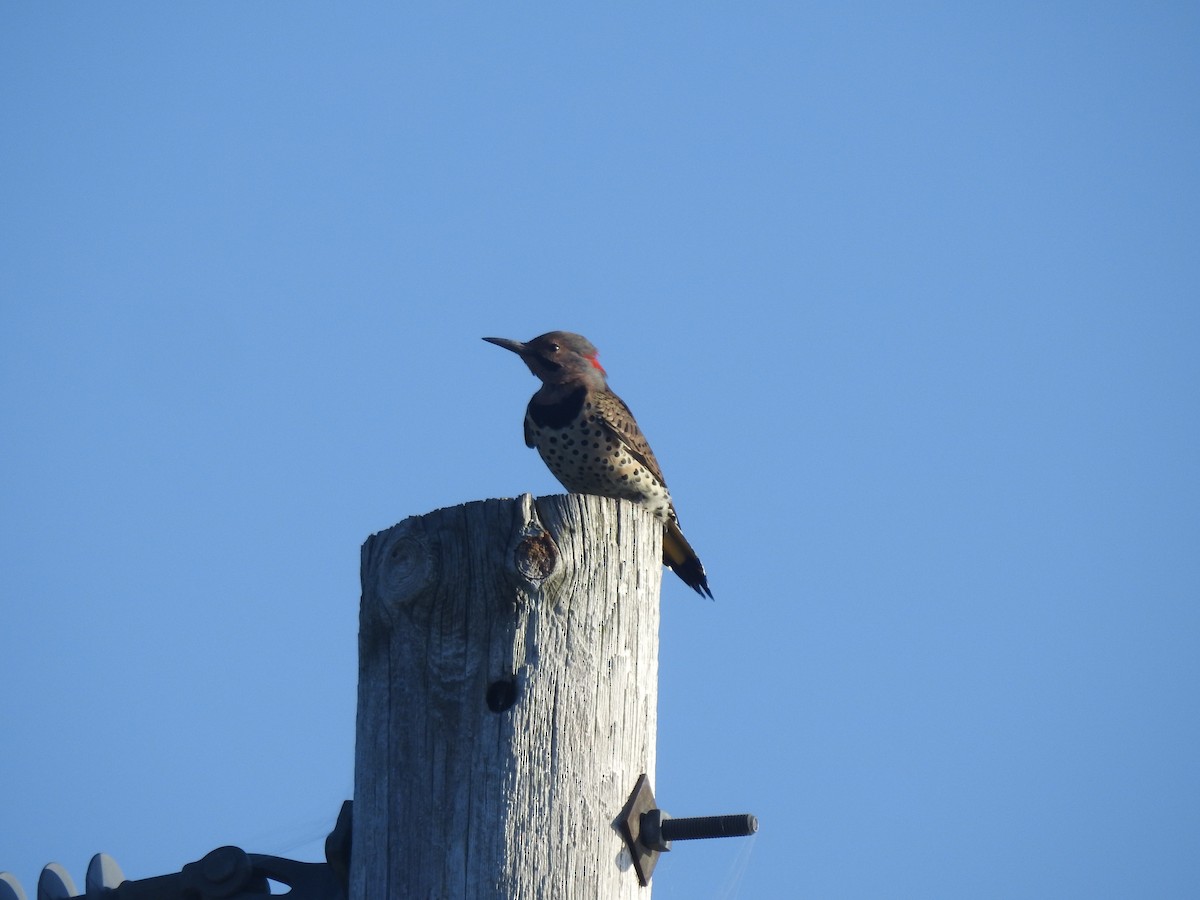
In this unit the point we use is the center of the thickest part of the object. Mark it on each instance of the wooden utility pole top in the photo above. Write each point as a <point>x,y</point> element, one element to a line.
<point>507,700</point>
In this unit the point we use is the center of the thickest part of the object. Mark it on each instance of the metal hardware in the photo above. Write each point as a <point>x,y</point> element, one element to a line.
<point>648,831</point>
<point>227,873</point>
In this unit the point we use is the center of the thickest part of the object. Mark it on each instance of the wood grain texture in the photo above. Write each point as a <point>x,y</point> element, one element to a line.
<point>557,597</point>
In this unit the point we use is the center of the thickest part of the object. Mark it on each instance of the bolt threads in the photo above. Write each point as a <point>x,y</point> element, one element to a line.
<point>709,827</point>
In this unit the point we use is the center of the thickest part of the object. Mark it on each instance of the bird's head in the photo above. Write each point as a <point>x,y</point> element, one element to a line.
<point>558,358</point>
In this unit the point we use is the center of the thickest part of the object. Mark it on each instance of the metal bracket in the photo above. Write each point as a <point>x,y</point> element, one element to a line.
<point>227,873</point>
<point>645,858</point>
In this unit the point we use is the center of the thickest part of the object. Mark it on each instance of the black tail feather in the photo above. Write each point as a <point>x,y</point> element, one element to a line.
<point>683,561</point>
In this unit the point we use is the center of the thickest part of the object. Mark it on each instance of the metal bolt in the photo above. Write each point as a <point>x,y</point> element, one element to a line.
<point>648,831</point>
<point>659,829</point>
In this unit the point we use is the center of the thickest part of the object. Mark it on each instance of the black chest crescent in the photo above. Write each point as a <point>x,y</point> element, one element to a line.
<point>560,414</point>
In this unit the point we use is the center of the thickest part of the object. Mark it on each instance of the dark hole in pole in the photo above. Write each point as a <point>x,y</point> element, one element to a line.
<point>501,695</point>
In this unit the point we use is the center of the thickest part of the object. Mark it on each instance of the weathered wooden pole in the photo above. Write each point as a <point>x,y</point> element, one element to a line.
<point>507,700</point>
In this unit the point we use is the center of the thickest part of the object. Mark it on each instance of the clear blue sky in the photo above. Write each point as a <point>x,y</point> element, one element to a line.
<point>906,297</point>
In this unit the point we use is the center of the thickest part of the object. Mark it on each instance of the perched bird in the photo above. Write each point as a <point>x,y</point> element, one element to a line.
<point>590,441</point>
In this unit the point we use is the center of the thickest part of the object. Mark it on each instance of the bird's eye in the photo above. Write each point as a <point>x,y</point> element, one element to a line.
<point>553,348</point>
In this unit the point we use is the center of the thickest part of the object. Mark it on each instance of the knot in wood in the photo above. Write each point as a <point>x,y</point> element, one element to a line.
<point>408,568</point>
<point>536,556</point>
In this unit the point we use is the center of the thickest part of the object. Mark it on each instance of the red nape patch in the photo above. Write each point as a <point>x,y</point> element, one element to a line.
<point>595,361</point>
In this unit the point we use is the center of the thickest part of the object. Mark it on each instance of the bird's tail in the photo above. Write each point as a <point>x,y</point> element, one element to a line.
<point>683,561</point>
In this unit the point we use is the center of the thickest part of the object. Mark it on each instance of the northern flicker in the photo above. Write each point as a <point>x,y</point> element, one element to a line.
<point>591,443</point>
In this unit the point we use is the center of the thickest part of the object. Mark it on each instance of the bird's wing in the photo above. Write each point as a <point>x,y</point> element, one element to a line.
<point>617,418</point>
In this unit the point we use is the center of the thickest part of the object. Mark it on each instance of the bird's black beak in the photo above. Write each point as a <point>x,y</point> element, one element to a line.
<point>515,346</point>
